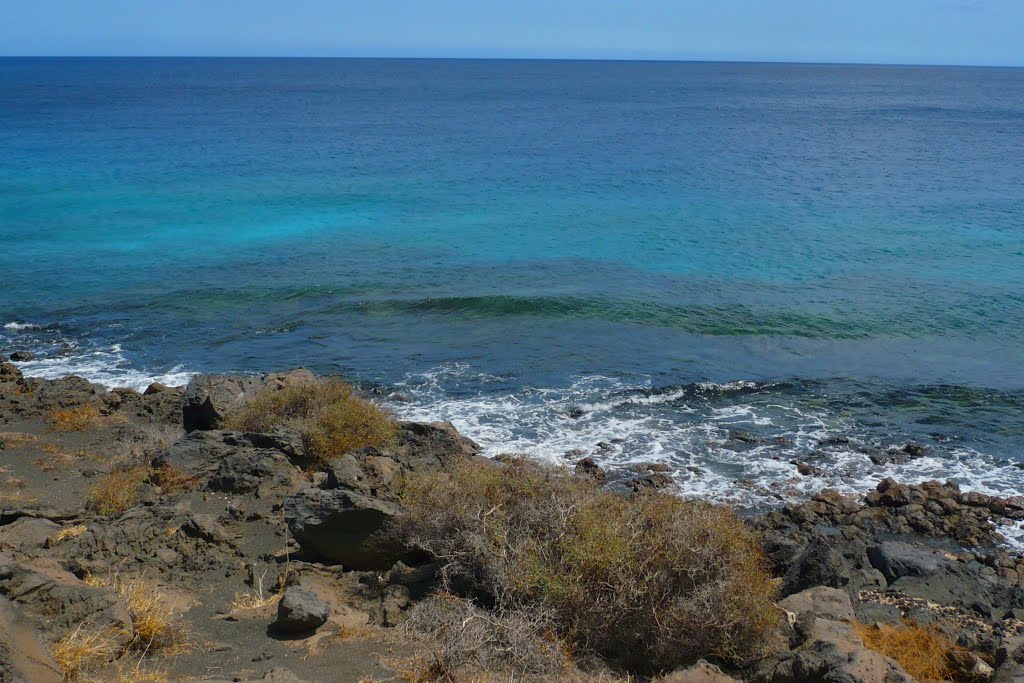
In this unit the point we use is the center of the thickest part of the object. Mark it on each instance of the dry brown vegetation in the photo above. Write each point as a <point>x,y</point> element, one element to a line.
<point>924,652</point>
<point>637,580</point>
<point>84,649</point>
<point>116,491</point>
<point>332,418</point>
<point>75,419</point>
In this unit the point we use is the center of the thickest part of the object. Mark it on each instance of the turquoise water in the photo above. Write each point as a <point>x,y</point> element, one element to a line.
<point>680,250</point>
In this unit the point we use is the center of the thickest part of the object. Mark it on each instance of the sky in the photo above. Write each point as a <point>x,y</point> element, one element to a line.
<point>970,32</point>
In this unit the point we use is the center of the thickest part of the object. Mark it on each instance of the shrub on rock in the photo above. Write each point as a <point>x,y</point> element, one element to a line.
<point>648,582</point>
<point>332,418</point>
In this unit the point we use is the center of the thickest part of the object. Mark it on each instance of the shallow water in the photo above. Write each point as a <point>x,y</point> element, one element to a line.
<point>678,250</point>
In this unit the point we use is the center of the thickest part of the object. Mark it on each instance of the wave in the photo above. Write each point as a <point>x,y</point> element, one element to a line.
<point>738,442</point>
<point>106,366</point>
<point>16,326</point>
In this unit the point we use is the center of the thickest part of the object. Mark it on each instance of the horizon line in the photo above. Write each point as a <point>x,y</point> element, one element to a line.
<point>530,59</point>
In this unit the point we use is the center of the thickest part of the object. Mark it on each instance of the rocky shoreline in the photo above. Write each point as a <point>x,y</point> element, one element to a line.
<point>274,569</point>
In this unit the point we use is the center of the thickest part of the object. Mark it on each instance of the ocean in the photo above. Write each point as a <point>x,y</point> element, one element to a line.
<point>731,268</point>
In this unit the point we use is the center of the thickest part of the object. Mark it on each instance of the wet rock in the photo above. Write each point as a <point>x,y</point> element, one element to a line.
<point>345,527</point>
<point>587,467</point>
<point>575,412</point>
<point>742,436</point>
<point>23,658</point>
<point>654,481</point>
<point>300,611</point>
<point>22,356</point>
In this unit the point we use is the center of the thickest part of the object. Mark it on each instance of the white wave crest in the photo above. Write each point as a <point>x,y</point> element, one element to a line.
<point>21,327</point>
<point>108,367</point>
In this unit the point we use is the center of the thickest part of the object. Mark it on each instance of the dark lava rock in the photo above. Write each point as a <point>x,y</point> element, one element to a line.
<point>300,611</point>
<point>346,527</point>
<point>655,481</point>
<point>9,372</point>
<point>896,559</point>
<point>915,450</point>
<point>820,564</point>
<point>575,412</point>
<point>158,388</point>
<point>22,356</point>
<point>745,437</point>
<point>587,467</point>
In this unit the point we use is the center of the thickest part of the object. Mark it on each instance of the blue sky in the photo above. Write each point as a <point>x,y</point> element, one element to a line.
<point>878,31</point>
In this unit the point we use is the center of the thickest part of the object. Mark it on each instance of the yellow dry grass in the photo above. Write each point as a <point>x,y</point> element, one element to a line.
<point>171,478</point>
<point>69,532</point>
<point>84,649</point>
<point>16,439</point>
<point>924,652</point>
<point>116,491</point>
<point>156,626</point>
<point>74,419</point>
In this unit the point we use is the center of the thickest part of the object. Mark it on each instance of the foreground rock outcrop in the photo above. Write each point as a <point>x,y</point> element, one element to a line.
<point>273,564</point>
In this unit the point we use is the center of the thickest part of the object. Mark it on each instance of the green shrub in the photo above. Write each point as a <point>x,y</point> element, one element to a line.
<point>649,582</point>
<point>332,418</point>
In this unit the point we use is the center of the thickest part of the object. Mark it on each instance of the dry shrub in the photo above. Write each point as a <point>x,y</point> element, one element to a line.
<point>75,419</point>
<point>84,649</point>
<point>172,478</point>
<point>649,582</point>
<point>332,418</point>
<point>463,640</point>
<point>15,439</point>
<point>116,491</point>
<point>924,652</point>
<point>154,622</point>
<point>138,446</point>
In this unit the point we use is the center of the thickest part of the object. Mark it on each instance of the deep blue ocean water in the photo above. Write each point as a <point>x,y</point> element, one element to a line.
<point>676,250</point>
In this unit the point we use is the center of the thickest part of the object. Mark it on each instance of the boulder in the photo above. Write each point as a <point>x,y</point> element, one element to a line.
<point>820,564</point>
<point>22,356</point>
<point>821,601</point>
<point>896,559</point>
<point>346,527</point>
<point>300,611</point>
<point>209,399</point>
<point>701,672</point>
<point>27,532</point>
<point>831,651</point>
<point>23,658</point>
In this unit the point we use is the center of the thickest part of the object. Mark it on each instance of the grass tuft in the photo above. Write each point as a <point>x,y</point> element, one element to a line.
<point>647,582</point>
<point>69,532</point>
<point>924,652</point>
<point>74,419</point>
<point>116,491</point>
<point>84,649</point>
<point>332,418</point>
